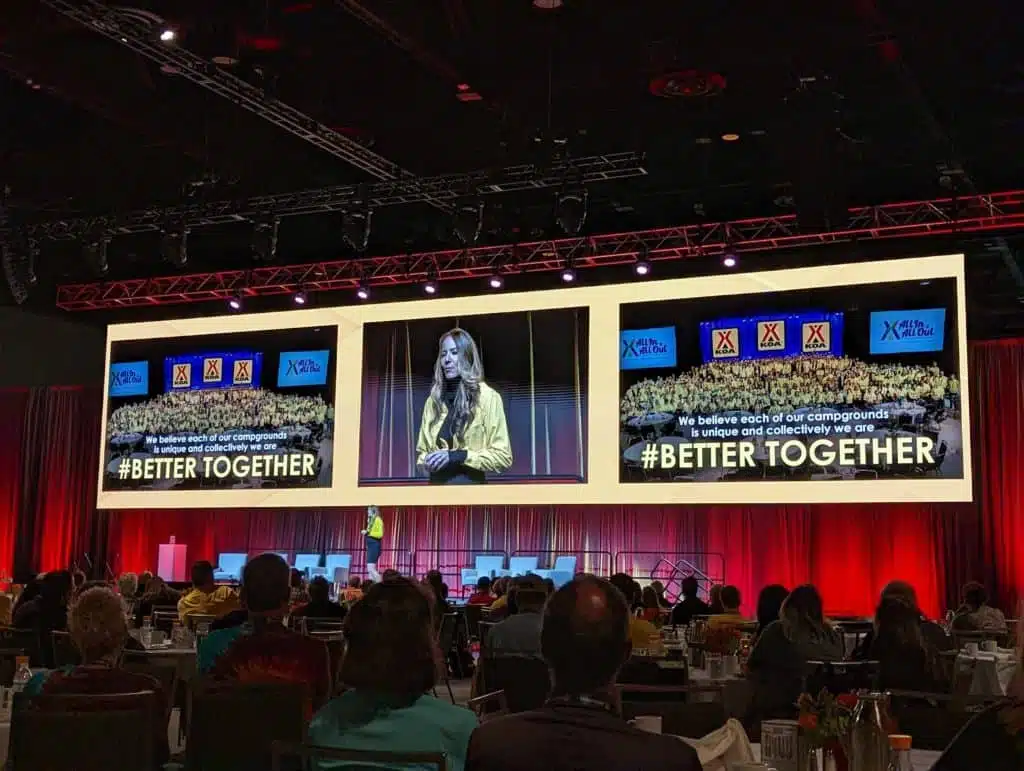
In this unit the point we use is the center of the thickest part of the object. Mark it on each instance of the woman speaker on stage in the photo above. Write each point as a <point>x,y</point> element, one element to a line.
<point>463,432</point>
<point>373,535</point>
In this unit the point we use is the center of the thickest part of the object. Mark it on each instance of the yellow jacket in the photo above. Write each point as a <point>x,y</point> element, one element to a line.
<point>219,602</point>
<point>376,528</point>
<point>485,438</point>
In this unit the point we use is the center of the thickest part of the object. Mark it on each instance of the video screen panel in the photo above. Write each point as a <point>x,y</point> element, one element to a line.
<point>228,411</point>
<point>497,398</point>
<point>806,385</point>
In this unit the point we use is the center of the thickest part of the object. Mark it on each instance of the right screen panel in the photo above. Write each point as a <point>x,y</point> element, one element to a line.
<point>821,384</point>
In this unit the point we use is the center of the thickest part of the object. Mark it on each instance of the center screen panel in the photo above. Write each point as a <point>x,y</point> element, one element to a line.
<point>820,384</point>
<point>247,410</point>
<point>485,399</point>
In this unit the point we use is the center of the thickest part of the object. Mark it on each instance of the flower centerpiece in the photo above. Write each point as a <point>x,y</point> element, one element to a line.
<point>825,723</point>
<point>724,640</point>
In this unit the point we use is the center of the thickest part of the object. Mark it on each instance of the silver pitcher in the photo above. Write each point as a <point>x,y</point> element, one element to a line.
<point>869,736</point>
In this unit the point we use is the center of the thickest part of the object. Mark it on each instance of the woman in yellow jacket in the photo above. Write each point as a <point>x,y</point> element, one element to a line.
<point>373,535</point>
<point>463,433</point>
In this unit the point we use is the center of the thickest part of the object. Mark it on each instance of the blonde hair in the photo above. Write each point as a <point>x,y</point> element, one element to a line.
<point>471,374</point>
<point>128,584</point>
<point>97,624</point>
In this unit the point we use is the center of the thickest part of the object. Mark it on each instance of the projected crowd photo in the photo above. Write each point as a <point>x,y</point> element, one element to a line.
<point>832,383</point>
<point>225,411</point>
<point>495,398</point>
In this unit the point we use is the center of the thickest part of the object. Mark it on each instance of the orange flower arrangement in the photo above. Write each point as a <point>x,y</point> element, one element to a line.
<point>724,640</point>
<point>826,719</point>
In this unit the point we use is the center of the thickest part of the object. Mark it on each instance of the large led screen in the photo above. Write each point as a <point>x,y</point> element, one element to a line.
<point>499,398</point>
<point>233,411</point>
<point>824,384</point>
<point>791,387</point>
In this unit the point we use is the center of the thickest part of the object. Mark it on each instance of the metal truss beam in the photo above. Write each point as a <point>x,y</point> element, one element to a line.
<point>996,212</point>
<point>447,188</point>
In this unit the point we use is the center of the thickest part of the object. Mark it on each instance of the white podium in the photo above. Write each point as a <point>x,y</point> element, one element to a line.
<point>170,562</point>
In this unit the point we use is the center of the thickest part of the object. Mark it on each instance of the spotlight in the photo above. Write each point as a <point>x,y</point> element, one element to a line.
<point>729,260</point>
<point>642,266</point>
<point>496,281</point>
<point>299,298</point>
<point>235,303</point>
<point>96,255</point>
<point>174,246</point>
<point>571,210</point>
<point>430,287</point>
<point>264,240</point>
<point>168,35</point>
<point>356,222</point>
<point>469,221</point>
<point>730,137</point>
<point>568,274</point>
<point>363,291</point>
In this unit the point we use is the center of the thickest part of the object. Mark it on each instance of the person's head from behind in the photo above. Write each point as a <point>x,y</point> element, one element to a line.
<point>898,624</point>
<point>55,590</point>
<point>527,594</point>
<point>689,586</point>
<point>296,579</point>
<point>585,636</point>
<point>155,585</point>
<point>974,595</point>
<point>483,585</point>
<point>128,584</point>
<point>390,575</point>
<point>354,582</point>
<point>731,599</point>
<point>629,588</point>
<point>144,578</point>
<point>266,588</point>
<point>900,590</point>
<point>649,597</point>
<point>202,576</point>
<point>319,590</point>
<point>715,598</point>
<point>769,603</point>
<point>390,641</point>
<point>97,625</point>
<point>802,613</point>
<point>433,579</point>
<point>659,588</point>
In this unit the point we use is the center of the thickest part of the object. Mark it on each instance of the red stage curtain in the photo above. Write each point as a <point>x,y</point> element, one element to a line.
<point>997,403</point>
<point>13,405</point>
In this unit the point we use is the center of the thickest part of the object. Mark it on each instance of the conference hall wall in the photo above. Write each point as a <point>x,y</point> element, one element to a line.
<point>826,384</point>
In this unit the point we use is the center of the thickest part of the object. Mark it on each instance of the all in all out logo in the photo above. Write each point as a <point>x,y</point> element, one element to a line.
<point>212,370</point>
<point>725,343</point>
<point>182,377</point>
<point>242,372</point>
<point>771,335</point>
<point>299,367</point>
<point>125,378</point>
<point>817,336</point>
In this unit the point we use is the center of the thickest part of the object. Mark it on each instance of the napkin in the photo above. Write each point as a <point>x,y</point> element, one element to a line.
<point>729,744</point>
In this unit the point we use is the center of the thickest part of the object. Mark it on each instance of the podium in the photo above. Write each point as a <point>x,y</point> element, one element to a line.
<point>170,562</point>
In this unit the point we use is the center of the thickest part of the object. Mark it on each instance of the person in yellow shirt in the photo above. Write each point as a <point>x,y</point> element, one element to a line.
<point>463,432</point>
<point>730,615</point>
<point>643,635</point>
<point>205,598</point>
<point>373,536</point>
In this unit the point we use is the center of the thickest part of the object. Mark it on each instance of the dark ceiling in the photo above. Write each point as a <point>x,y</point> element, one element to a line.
<point>900,96</point>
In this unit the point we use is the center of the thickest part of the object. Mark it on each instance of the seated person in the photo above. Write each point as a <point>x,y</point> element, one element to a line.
<point>691,605</point>
<point>263,649</point>
<point>205,598</point>
<point>320,605</point>
<point>519,633</point>
<point>730,615</point>
<point>975,614</point>
<point>157,594</point>
<point>906,661</point>
<point>482,595</point>
<point>390,667</point>
<point>46,613</point>
<point>642,633</point>
<point>99,631</point>
<point>353,592</point>
<point>585,641</point>
<point>933,634</point>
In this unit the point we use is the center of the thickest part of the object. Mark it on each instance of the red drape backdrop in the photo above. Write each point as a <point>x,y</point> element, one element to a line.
<point>48,475</point>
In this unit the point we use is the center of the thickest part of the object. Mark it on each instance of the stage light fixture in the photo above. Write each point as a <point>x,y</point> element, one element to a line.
<point>430,286</point>
<point>642,266</point>
<point>168,35</point>
<point>357,221</point>
<point>469,221</point>
<point>363,291</point>
<point>235,303</point>
<point>174,246</point>
<point>299,298</point>
<point>497,281</point>
<point>571,210</point>
<point>730,260</point>
<point>95,253</point>
<point>568,273</point>
<point>264,240</point>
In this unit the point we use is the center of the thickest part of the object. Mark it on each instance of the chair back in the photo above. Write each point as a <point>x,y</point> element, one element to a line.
<point>308,625</point>
<point>96,732</point>
<point>473,614</point>
<point>163,669</point>
<point>841,676</point>
<point>525,680</point>
<point>684,710</point>
<point>311,756</point>
<point>26,641</point>
<point>65,654</point>
<point>446,633</point>
<point>164,619</point>
<point>233,725</point>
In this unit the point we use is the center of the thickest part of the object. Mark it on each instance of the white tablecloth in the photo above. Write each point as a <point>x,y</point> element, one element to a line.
<point>993,672</point>
<point>922,760</point>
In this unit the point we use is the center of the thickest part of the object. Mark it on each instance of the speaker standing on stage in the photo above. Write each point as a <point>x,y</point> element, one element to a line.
<point>373,535</point>
<point>463,432</point>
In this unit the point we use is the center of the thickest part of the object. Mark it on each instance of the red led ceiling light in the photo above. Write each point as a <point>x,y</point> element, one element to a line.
<point>995,212</point>
<point>686,84</point>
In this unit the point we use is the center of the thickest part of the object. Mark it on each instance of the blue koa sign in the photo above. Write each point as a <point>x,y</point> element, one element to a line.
<point>806,333</point>
<point>647,348</point>
<point>920,331</point>
<point>129,378</point>
<point>205,371</point>
<point>303,368</point>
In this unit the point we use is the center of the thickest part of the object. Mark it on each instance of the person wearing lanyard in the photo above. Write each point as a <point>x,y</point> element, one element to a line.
<point>373,535</point>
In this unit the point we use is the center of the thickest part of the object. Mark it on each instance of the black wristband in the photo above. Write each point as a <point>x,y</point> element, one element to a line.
<point>457,456</point>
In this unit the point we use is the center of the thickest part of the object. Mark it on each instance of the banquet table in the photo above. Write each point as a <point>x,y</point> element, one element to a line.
<point>993,672</point>
<point>922,760</point>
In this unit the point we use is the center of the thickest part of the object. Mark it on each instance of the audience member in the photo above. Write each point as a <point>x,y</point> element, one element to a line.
<point>353,592</point>
<point>906,661</point>
<point>205,597</point>
<point>127,585</point>
<point>585,640</point>
<point>519,633</point>
<point>98,630</point>
<point>769,606</point>
<point>691,605</point>
<point>651,605</point>
<point>975,614</point>
<point>144,578</point>
<point>934,635</point>
<point>320,605</point>
<point>158,594</point>
<point>46,613</point>
<point>730,614</point>
<point>778,662</point>
<point>435,584</point>
<point>642,633</point>
<point>391,664</point>
<point>500,604</point>
<point>482,595</point>
<point>715,605</point>
<point>262,649</point>
<point>299,595</point>
<point>30,592</point>
<point>659,591</point>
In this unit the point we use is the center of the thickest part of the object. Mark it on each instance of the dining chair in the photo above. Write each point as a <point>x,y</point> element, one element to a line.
<point>290,756</point>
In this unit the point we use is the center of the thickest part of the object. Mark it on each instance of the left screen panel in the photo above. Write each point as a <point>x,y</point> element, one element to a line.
<point>227,411</point>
